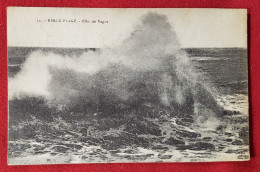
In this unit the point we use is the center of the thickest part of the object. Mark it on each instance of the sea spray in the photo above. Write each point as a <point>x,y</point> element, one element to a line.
<point>148,69</point>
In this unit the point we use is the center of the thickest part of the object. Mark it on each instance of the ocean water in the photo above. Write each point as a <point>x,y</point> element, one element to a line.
<point>224,70</point>
<point>227,71</point>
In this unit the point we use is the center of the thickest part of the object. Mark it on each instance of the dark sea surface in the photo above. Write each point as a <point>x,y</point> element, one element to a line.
<point>226,68</point>
<point>60,141</point>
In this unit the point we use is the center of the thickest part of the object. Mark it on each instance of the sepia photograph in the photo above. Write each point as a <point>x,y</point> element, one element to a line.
<point>99,85</point>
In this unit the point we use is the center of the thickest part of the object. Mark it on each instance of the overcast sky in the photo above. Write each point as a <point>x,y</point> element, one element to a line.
<point>193,27</point>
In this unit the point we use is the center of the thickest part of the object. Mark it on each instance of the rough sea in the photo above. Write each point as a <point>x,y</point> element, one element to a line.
<point>36,140</point>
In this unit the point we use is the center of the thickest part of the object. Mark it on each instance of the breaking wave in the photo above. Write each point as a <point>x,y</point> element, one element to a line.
<point>148,69</point>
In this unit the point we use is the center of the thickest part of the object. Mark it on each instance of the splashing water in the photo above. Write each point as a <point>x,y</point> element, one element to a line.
<point>149,67</point>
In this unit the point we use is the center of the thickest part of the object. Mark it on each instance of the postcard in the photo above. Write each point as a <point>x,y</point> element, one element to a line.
<point>99,85</point>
